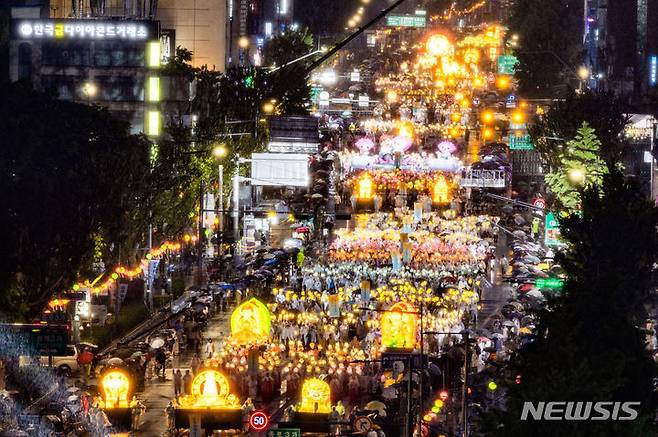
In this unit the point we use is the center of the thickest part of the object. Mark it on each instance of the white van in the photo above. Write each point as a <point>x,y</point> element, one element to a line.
<point>67,364</point>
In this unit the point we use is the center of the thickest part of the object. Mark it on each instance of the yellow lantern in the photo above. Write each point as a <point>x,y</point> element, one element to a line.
<point>398,326</point>
<point>488,116</point>
<point>438,45</point>
<point>365,187</point>
<point>502,82</point>
<point>315,397</point>
<point>115,389</point>
<point>440,193</point>
<point>250,322</point>
<point>210,389</point>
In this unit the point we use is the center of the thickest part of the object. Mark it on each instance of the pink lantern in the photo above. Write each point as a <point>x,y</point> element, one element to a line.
<point>365,145</point>
<point>402,143</point>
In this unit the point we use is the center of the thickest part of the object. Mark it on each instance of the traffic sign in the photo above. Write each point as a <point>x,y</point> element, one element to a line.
<point>406,21</point>
<point>539,202</point>
<point>551,230</point>
<point>507,64</point>
<point>284,432</point>
<point>258,421</point>
<point>389,358</point>
<point>361,424</point>
<point>520,142</point>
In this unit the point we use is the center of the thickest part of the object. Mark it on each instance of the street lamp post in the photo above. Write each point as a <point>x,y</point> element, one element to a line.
<point>220,152</point>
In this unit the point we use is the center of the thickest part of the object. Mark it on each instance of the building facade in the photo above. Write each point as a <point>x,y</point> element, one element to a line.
<point>112,63</point>
<point>251,23</point>
<point>621,48</point>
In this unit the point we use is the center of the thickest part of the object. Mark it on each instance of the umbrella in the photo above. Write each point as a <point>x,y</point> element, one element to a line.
<point>535,294</point>
<point>496,335</point>
<point>524,288</point>
<point>157,343</point>
<point>519,234</point>
<point>137,355</point>
<point>378,406</point>
<point>519,220</point>
<point>508,323</point>
<point>87,344</point>
<point>317,196</point>
<point>525,330</point>
<point>302,230</point>
<point>269,256</point>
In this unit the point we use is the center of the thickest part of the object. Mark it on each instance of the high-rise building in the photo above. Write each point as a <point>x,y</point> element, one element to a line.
<point>621,47</point>
<point>251,23</point>
<point>197,25</point>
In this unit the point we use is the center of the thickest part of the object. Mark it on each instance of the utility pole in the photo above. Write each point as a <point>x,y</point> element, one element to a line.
<point>200,236</point>
<point>465,386</point>
<point>347,40</point>
<point>220,203</point>
<point>236,201</point>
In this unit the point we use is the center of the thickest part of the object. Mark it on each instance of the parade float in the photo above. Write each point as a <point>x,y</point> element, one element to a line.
<point>210,405</point>
<point>116,399</point>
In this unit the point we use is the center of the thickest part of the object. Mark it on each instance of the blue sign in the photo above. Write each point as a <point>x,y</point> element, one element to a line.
<point>653,70</point>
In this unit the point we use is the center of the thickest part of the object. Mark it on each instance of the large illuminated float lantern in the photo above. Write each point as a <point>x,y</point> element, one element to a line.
<point>115,398</point>
<point>364,191</point>
<point>312,411</point>
<point>251,322</point>
<point>210,406</point>
<point>398,327</point>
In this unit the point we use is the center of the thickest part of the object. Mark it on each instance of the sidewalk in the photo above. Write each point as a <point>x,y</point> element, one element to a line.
<point>157,394</point>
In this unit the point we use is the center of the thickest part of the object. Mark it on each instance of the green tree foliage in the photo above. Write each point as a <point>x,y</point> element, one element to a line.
<point>581,157</point>
<point>289,85</point>
<point>588,345</point>
<point>72,176</point>
<point>550,38</point>
<point>601,110</point>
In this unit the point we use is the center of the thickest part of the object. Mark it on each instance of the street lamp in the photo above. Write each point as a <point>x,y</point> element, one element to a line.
<point>220,152</point>
<point>90,90</point>
<point>576,176</point>
<point>243,42</point>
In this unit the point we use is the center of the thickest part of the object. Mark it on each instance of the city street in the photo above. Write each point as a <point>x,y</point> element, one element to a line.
<point>280,218</point>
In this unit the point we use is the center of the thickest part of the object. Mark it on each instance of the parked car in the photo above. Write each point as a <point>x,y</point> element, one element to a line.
<point>67,364</point>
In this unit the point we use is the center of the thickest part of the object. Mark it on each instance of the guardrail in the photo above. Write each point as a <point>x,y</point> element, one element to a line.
<point>483,179</point>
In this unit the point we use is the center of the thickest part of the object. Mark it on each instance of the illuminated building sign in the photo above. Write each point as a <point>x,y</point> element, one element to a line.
<point>653,70</point>
<point>84,29</point>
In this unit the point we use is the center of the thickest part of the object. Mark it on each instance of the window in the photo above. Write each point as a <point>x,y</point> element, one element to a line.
<point>25,61</point>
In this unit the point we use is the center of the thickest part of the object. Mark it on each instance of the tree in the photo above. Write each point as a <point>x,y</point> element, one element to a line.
<point>587,344</point>
<point>579,166</point>
<point>75,182</point>
<point>289,85</point>
<point>550,38</point>
<point>602,111</point>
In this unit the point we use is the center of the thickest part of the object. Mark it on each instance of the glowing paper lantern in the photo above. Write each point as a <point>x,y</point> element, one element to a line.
<point>115,390</point>
<point>210,389</point>
<point>401,143</point>
<point>365,187</point>
<point>315,397</point>
<point>398,326</point>
<point>438,45</point>
<point>365,145</point>
<point>250,322</point>
<point>441,192</point>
